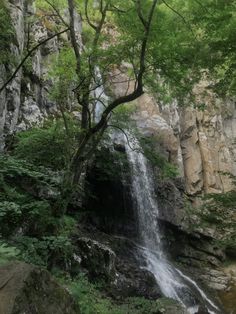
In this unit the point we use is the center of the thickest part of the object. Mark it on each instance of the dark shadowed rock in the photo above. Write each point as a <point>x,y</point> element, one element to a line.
<point>132,281</point>
<point>26,289</point>
<point>97,258</point>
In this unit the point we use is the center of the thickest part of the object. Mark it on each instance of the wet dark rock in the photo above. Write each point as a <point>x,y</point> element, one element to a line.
<point>114,259</point>
<point>202,310</point>
<point>119,147</point>
<point>97,258</point>
<point>132,281</point>
<point>109,198</point>
<point>170,200</point>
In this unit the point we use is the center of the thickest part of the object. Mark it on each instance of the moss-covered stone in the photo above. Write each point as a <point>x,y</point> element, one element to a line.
<point>28,289</point>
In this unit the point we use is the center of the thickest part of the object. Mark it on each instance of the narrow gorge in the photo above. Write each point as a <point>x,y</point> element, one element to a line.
<point>117,157</point>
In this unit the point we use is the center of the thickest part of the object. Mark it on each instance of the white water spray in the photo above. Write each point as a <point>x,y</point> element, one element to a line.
<point>100,96</point>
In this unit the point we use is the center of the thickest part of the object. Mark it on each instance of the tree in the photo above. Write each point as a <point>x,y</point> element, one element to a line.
<point>94,55</point>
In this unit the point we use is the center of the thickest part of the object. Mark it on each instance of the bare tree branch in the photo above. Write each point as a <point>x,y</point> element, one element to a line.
<point>87,17</point>
<point>73,35</point>
<point>58,13</point>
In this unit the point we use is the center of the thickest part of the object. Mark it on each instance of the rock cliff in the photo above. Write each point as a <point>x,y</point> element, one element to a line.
<point>26,101</point>
<point>201,142</point>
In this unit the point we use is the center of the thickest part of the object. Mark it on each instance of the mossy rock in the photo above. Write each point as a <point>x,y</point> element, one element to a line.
<point>26,289</point>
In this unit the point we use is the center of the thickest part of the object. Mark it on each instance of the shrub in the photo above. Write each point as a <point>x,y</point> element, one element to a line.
<point>46,251</point>
<point>48,146</point>
<point>167,169</point>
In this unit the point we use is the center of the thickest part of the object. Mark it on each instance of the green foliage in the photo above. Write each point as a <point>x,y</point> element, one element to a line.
<point>20,185</point>
<point>122,118</point>
<point>67,226</point>
<point>168,170</point>
<point>42,4</point>
<point>10,216</point>
<point>218,212</point>
<point>225,200</point>
<point>7,33</point>
<point>7,253</point>
<point>62,71</point>
<point>46,251</point>
<point>42,238</point>
<point>109,165</point>
<point>203,35</point>
<point>48,146</point>
<point>92,300</point>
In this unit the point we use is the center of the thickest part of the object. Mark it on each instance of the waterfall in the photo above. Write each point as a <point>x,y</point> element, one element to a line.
<point>172,282</point>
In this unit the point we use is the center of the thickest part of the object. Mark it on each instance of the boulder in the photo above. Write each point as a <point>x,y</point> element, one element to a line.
<point>97,258</point>
<point>27,289</point>
<point>133,281</point>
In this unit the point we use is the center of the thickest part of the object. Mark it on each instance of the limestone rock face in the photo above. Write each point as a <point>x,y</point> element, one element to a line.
<point>200,143</point>
<point>26,102</point>
<point>26,289</point>
<point>10,98</point>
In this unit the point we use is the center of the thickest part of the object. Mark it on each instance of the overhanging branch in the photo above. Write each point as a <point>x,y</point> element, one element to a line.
<point>27,56</point>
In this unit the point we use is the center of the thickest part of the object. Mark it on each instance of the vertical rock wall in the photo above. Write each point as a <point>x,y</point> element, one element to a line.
<point>202,143</point>
<point>10,98</point>
<point>208,137</point>
<point>26,100</point>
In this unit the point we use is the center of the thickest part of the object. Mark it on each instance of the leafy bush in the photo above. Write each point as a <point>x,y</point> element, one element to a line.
<point>167,169</point>
<point>46,251</point>
<point>48,146</point>
<point>29,187</point>
<point>13,168</point>
<point>20,203</point>
<point>10,214</point>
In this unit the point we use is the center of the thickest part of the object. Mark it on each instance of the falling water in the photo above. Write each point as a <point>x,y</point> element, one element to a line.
<point>172,282</point>
<point>100,96</point>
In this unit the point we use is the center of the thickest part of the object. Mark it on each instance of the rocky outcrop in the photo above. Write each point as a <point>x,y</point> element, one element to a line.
<point>116,260</point>
<point>208,146</point>
<point>97,258</point>
<point>28,289</point>
<point>200,142</point>
<point>199,139</point>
